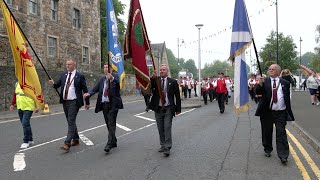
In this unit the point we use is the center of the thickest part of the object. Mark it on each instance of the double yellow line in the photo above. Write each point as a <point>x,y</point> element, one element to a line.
<point>305,154</point>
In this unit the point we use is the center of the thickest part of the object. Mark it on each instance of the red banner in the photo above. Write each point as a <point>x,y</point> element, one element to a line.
<point>136,44</point>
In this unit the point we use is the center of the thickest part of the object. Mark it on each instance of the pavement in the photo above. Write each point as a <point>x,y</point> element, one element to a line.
<point>9,115</point>
<point>307,118</point>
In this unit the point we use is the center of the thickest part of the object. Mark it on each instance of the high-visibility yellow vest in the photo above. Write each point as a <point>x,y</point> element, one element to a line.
<point>23,101</point>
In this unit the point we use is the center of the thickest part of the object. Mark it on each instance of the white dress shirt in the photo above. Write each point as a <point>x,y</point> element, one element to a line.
<point>72,90</point>
<point>105,98</point>
<point>280,105</point>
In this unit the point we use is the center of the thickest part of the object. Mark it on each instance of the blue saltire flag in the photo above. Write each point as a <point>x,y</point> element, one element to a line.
<point>114,48</point>
<point>240,41</point>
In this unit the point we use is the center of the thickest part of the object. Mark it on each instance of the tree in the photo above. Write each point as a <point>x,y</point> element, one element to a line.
<point>191,67</point>
<point>173,64</point>
<point>315,63</point>
<point>213,69</point>
<point>306,58</point>
<point>287,53</point>
<point>317,49</point>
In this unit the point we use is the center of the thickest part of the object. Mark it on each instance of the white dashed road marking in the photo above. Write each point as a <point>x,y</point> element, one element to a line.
<point>85,140</point>
<point>18,163</point>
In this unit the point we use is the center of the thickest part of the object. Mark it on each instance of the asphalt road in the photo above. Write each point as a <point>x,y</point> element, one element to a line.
<point>206,145</point>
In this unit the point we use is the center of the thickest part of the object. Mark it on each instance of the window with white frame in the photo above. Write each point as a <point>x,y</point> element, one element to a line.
<point>85,55</point>
<point>52,47</point>
<point>76,18</point>
<point>54,10</point>
<point>9,2</point>
<point>33,6</point>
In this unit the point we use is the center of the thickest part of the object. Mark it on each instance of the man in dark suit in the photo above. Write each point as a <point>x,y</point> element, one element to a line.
<point>164,106</point>
<point>109,102</point>
<point>73,85</point>
<point>274,107</point>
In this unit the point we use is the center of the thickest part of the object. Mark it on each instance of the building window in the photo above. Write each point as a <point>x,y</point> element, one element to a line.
<point>85,55</point>
<point>52,47</point>
<point>9,2</point>
<point>54,10</point>
<point>76,18</point>
<point>33,6</point>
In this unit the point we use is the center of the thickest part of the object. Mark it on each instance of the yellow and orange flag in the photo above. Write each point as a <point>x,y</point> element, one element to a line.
<point>25,71</point>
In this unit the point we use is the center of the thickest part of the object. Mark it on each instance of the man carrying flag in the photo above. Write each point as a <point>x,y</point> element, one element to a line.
<point>241,40</point>
<point>162,102</point>
<point>25,71</point>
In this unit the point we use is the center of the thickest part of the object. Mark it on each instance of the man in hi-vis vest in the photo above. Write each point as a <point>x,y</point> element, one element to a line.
<point>26,106</point>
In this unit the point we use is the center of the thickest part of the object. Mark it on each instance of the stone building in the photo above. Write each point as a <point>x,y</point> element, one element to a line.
<point>159,52</point>
<point>57,29</point>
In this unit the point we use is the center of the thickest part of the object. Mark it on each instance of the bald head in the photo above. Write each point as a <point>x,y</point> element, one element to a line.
<point>274,70</point>
<point>163,70</point>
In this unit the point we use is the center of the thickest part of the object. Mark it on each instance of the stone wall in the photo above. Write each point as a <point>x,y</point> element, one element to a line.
<point>70,40</point>
<point>8,80</point>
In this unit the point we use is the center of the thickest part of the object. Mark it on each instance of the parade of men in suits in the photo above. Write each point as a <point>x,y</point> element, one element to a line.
<point>72,86</point>
<point>165,104</point>
<point>109,102</point>
<point>274,108</point>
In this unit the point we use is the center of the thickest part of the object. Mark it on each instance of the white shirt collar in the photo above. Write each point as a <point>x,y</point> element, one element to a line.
<point>73,72</point>
<point>277,78</point>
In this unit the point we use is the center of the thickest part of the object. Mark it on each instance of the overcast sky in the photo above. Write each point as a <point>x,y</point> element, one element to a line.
<point>168,20</point>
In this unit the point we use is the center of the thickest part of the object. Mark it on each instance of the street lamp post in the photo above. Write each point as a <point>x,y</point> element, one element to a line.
<point>300,65</point>
<point>199,26</point>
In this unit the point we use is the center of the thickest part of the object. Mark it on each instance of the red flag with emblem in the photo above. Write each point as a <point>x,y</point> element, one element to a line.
<point>136,44</point>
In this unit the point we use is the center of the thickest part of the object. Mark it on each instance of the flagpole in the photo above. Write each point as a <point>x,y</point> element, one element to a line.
<point>154,68</point>
<point>256,52</point>
<point>107,26</point>
<point>254,44</point>
<point>29,44</point>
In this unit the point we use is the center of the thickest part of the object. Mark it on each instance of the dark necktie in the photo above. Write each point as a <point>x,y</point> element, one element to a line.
<point>274,89</point>
<point>67,87</point>
<point>163,100</point>
<point>106,92</point>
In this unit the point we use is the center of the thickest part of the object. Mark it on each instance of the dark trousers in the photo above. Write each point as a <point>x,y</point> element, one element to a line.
<point>189,92</point>
<point>147,100</point>
<point>210,95</point>
<point>110,117</point>
<point>205,97</point>
<point>279,119</point>
<point>195,92</point>
<point>185,91</point>
<point>25,121</point>
<point>71,110</point>
<point>221,100</point>
<point>164,124</point>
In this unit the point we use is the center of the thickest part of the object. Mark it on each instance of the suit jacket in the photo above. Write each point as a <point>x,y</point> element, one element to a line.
<point>79,84</point>
<point>266,91</point>
<point>172,93</point>
<point>114,96</point>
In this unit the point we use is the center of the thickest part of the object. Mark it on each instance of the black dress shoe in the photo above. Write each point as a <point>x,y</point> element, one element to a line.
<point>107,149</point>
<point>161,149</point>
<point>284,160</point>
<point>166,152</point>
<point>267,154</point>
